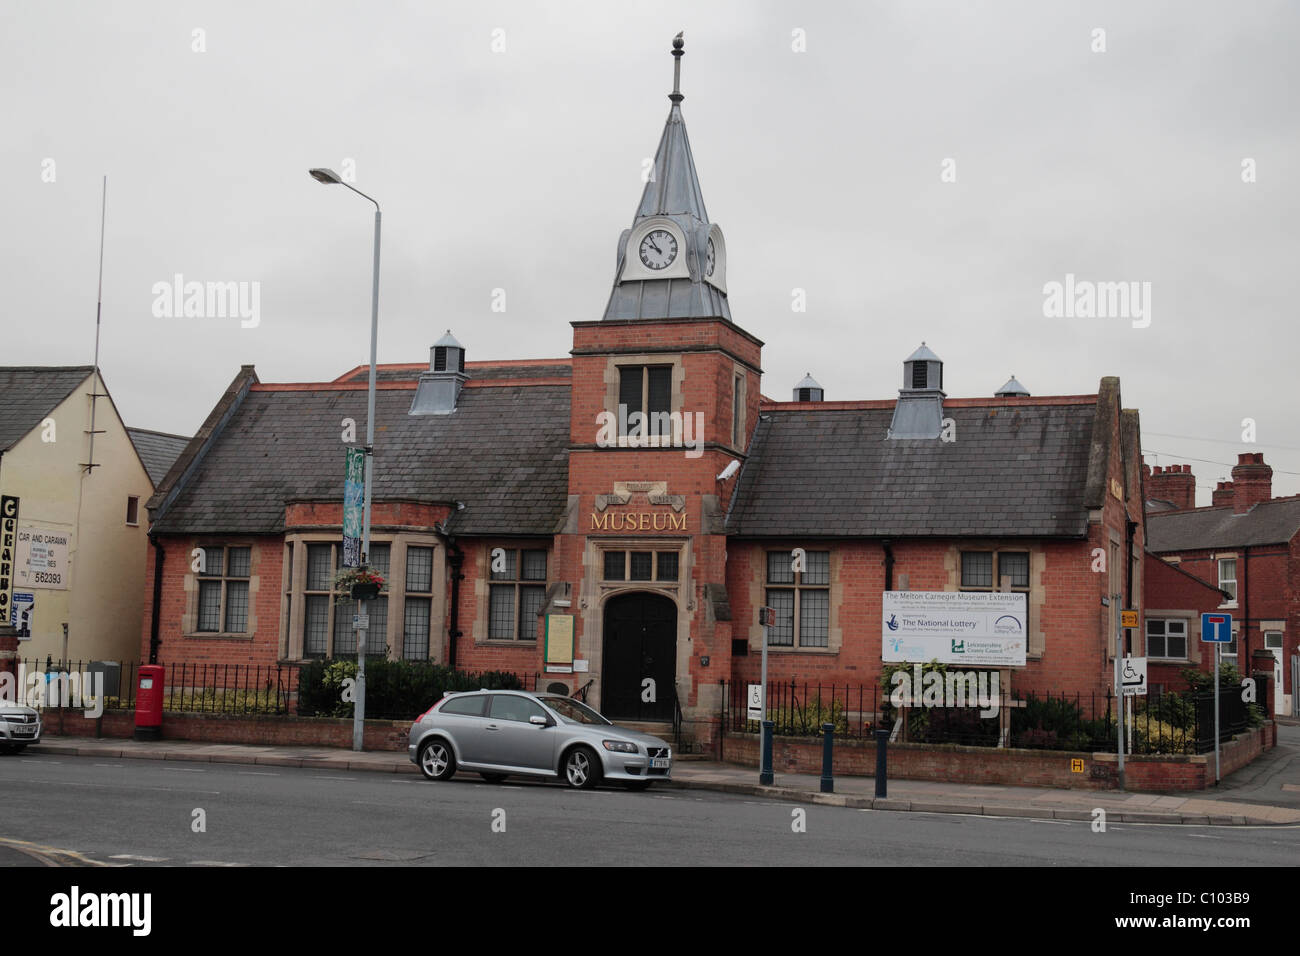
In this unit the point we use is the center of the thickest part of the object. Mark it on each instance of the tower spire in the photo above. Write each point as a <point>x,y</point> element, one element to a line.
<point>672,263</point>
<point>678,53</point>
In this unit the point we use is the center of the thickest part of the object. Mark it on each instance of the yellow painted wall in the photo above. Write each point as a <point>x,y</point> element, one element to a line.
<point>104,604</point>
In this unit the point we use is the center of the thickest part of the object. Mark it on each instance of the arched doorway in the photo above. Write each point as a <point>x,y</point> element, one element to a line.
<point>640,657</point>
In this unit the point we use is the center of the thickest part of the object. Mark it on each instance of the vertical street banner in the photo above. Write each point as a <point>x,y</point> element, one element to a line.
<point>8,550</point>
<point>24,613</point>
<point>354,485</point>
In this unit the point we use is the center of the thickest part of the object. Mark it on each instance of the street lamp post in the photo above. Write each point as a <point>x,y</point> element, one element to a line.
<point>329,177</point>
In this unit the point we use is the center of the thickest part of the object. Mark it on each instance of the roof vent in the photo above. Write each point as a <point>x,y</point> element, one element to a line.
<point>1012,389</point>
<point>919,410</point>
<point>447,355</point>
<point>808,390</point>
<point>439,388</point>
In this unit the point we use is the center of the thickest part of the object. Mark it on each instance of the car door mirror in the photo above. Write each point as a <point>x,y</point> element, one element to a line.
<point>537,720</point>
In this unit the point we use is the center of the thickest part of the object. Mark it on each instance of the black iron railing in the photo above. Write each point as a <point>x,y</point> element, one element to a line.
<point>1163,722</point>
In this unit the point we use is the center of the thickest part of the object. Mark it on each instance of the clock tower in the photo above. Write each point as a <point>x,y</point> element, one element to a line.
<point>665,396</point>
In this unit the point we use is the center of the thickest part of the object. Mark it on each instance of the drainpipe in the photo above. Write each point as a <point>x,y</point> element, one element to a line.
<point>1244,652</point>
<point>889,563</point>
<point>1130,532</point>
<point>455,558</point>
<point>159,555</point>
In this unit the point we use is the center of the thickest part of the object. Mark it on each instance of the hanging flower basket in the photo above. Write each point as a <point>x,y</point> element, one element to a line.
<point>357,584</point>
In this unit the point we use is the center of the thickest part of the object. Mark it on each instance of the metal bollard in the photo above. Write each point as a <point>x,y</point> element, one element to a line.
<point>828,749</point>
<point>882,745</point>
<point>765,770</point>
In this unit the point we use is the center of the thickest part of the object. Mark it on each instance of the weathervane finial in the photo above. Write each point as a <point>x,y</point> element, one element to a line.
<point>678,44</point>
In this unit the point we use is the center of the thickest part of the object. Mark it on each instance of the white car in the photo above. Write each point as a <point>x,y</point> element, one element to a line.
<point>19,726</point>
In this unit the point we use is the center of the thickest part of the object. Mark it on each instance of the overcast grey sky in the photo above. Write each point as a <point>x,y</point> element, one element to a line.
<point>518,169</point>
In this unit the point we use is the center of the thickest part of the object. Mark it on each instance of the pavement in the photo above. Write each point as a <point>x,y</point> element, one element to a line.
<point>1244,799</point>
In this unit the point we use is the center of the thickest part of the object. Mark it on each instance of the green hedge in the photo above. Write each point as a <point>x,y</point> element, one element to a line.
<point>395,690</point>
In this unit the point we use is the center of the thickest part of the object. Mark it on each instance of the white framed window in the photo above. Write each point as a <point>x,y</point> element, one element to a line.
<point>1230,650</point>
<point>1167,638</point>
<point>1228,579</point>
<point>133,510</point>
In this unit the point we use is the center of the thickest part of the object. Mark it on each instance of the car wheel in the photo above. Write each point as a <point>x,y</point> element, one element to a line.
<point>638,785</point>
<point>437,762</point>
<point>582,768</point>
<point>494,777</point>
<point>8,749</point>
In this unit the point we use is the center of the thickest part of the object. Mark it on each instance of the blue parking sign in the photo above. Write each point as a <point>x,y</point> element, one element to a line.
<point>1216,628</point>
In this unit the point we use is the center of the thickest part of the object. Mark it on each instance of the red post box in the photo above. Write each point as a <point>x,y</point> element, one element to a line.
<point>149,702</point>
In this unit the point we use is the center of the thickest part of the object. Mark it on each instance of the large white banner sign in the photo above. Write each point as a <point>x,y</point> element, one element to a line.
<point>954,627</point>
<point>42,557</point>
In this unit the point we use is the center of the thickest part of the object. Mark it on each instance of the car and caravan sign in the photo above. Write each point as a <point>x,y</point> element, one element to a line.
<point>985,628</point>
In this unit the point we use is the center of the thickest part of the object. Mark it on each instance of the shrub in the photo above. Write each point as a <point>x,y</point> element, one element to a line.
<point>395,690</point>
<point>1175,709</point>
<point>798,720</point>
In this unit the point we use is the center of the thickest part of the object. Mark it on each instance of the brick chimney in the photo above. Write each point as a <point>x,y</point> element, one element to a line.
<point>1222,494</point>
<point>1174,483</point>
<point>1252,482</point>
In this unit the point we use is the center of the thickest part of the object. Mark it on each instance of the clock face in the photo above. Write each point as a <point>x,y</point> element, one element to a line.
<point>710,259</point>
<point>658,249</point>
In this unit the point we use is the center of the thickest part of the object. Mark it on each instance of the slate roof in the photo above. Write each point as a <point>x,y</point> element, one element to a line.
<point>1269,522</point>
<point>411,373</point>
<point>157,450</point>
<point>29,393</point>
<point>1014,470</point>
<point>503,452</point>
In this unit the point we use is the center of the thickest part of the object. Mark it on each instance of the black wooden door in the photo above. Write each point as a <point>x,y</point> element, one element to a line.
<point>640,658</point>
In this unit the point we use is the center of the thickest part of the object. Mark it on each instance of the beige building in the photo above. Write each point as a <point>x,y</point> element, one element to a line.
<point>74,556</point>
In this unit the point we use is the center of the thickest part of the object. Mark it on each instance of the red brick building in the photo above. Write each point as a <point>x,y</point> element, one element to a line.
<point>643,498</point>
<point>1247,544</point>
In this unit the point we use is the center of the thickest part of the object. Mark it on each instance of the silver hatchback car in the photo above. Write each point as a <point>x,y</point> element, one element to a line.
<point>498,733</point>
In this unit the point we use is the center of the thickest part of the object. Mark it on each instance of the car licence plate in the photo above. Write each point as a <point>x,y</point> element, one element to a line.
<point>658,763</point>
<point>25,731</point>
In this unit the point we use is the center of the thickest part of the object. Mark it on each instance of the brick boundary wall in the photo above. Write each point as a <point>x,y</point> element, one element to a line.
<point>939,762</point>
<point>268,731</point>
<point>949,763</point>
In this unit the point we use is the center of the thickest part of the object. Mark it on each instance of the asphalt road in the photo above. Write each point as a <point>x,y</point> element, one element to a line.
<point>143,812</point>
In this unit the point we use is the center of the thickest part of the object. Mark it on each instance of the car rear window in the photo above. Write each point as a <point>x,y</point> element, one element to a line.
<point>469,705</point>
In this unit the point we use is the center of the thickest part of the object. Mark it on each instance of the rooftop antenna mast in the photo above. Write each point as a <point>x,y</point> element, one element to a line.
<point>95,393</point>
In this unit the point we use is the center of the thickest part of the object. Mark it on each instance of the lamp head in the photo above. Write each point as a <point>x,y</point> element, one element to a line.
<point>326,176</point>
